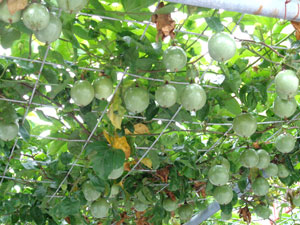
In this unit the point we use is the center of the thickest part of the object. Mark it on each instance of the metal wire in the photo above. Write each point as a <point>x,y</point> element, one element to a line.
<point>156,140</point>
<point>26,112</point>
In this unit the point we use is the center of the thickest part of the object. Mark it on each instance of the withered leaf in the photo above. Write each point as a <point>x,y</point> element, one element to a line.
<point>165,25</point>
<point>296,25</point>
<point>245,214</point>
<point>16,5</point>
<point>163,174</point>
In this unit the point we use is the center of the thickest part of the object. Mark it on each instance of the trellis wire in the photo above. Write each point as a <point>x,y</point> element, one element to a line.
<point>26,112</point>
<point>99,120</point>
<point>91,134</point>
<point>156,140</point>
<point>28,181</point>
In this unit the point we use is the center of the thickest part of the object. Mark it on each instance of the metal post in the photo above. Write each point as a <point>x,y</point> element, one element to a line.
<point>269,8</point>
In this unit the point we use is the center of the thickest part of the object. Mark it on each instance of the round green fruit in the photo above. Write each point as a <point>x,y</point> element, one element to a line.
<point>140,206</point>
<point>285,108</point>
<point>90,192</point>
<point>170,205</point>
<point>283,172</point>
<point>166,95</point>
<point>185,212</point>
<point>223,194</point>
<point>221,47</point>
<point>218,175</point>
<point>72,6</point>
<point>244,125</point>
<point>36,17</point>
<point>103,88</point>
<point>264,159</point>
<point>285,143</point>
<point>193,97</point>
<point>6,16</point>
<point>263,211</point>
<point>226,164</point>
<point>260,186</point>
<point>286,84</point>
<point>116,173</point>
<point>52,32</point>
<point>296,200</point>
<point>249,158</point>
<point>271,170</point>
<point>174,58</point>
<point>8,131</point>
<point>82,93</point>
<point>136,99</point>
<point>99,209</point>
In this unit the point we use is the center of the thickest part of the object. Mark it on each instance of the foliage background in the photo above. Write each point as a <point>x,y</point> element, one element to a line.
<point>55,130</point>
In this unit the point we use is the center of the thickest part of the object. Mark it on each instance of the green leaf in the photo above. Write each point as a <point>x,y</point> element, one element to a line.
<point>214,23</point>
<point>232,82</point>
<point>96,146</point>
<point>106,161</point>
<point>8,37</point>
<point>65,158</point>
<point>233,106</point>
<point>69,206</point>
<point>50,75</point>
<point>166,9</point>
<point>135,6</point>
<point>37,215</point>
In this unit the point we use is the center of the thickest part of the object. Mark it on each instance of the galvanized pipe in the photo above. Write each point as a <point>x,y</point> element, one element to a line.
<point>270,8</point>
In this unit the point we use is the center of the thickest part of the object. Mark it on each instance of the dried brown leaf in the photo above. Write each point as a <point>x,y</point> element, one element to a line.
<point>163,174</point>
<point>245,214</point>
<point>296,25</point>
<point>165,25</point>
<point>16,5</point>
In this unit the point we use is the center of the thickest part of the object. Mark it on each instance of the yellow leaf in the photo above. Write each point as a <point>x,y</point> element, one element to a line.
<point>116,111</point>
<point>16,5</point>
<point>119,143</point>
<point>147,162</point>
<point>139,128</point>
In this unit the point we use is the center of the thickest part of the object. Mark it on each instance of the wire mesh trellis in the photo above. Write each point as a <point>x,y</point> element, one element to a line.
<point>125,73</point>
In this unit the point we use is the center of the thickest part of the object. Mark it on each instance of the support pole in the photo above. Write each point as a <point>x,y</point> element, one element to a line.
<point>269,8</point>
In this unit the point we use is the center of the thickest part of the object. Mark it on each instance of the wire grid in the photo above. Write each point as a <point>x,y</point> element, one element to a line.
<point>44,62</point>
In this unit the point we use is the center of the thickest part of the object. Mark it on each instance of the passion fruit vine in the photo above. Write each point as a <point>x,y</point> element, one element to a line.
<point>260,186</point>
<point>8,131</point>
<point>286,84</point>
<point>223,194</point>
<point>218,175</point>
<point>166,95</point>
<point>103,88</point>
<point>52,32</point>
<point>284,108</point>
<point>249,158</point>
<point>136,99</point>
<point>285,143</point>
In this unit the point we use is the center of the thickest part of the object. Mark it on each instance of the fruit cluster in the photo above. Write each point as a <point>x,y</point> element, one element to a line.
<point>36,17</point>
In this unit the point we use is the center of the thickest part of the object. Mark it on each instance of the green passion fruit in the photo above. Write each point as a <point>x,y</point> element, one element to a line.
<point>103,88</point>
<point>223,194</point>
<point>221,47</point>
<point>185,212</point>
<point>36,17</point>
<point>99,209</point>
<point>283,172</point>
<point>260,186</point>
<point>244,125</point>
<point>82,93</point>
<point>263,211</point>
<point>52,32</point>
<point>271,170</point>
<point>218,175</point>
<point>193,97</point>
<point>8,131</point>
<point>136,99</point>
<point>6,16</point>
<point>286,84</point>
<point>285,108</point>
<point>285,143</point>
<point>166,95</point>
<point>170,205</point>
<point>263,159</point>
<point>72,6</point>
<point>174,58</point>
<point>249,158</point>
<point>90,192</point>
